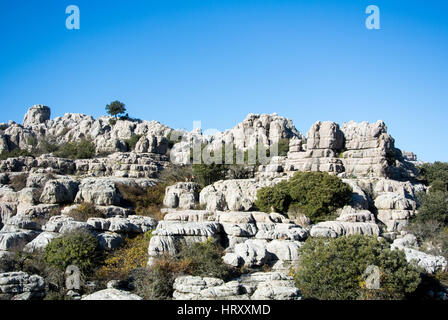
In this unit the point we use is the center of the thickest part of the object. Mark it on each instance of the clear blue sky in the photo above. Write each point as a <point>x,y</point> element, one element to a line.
<point>217,61</point>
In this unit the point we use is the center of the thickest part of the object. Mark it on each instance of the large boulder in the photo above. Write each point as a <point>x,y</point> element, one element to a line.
<point>21,286</point>
<point>231,195</point>
<point>36,115</point>
<point>59,191</point>
<point>102,192</point>
<point>182,195</point>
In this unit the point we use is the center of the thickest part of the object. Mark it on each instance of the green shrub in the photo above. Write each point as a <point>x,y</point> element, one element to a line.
<point>119,264</point>
<point>46,146</point>
<point>199,259</point>
<point>206,174</point>
<point>274,198</point>
<point>132,142</point>
<point>332,269</point>
<point>84,149</point>
<point>433,206</point>
<point>78,248</point>
<point>145,202</point>
<point>317,194</point>
<point>15,154</point>
<point>438,185</point>
<point>205,260</point>
<point>432,172</point>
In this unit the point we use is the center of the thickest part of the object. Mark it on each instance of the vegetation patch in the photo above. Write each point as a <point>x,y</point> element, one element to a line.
<point>332,269</point>
<point>316,194</point>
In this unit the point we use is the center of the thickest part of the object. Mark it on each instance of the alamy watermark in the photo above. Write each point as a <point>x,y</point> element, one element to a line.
<point>73,20</point>
<point>209,147</point>
<point>373,20</point>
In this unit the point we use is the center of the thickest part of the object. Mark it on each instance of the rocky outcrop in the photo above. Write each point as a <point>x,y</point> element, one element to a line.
<point>334,229</point>
<point>233,195</point>
<point>59,191</point>
<point>428,262</point>
<point>252,239</point>
<point>21,286</point>
<point>324,142</point>
<point>111,294</point>
<point>256,286</point>
<point>182,195</point>
<point>36,115</point>
<point>102,192</point>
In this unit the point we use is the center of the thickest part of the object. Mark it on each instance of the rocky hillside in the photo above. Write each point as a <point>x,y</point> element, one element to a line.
<point>46,193</point>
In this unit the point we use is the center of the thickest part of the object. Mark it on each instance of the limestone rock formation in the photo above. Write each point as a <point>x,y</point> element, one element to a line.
<point>256,286</point>
<point>182,195</point>
<point>111,294</point>
<point>36,115</point>
<point>21,286</point>
<point>428,262</point>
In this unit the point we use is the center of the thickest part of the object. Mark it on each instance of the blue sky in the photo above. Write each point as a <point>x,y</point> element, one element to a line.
<point>216,61</point>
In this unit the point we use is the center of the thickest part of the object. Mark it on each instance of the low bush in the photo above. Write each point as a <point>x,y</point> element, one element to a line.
<point>199,259</point>
<point>207,174</point>
<point>433,206</point>
<point>332,269</point>
<point>119,264</point>
<point>145,202</point>
<point>429,173</point>
<point>132,142</point>
<point>84,211</point>
<point>15,154</point>
<point>18,182</point>
<point>174,173</point>
<point>274,199</point>
<point>316,194</point>
<point>83,149</point>
<point>77,248</point>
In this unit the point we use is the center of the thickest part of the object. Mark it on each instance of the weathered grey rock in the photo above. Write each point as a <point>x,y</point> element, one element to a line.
<point>230,195</point>
<point>55,223</point>
<point>152,144</point>
<point>350,214</point>
<point>36,115</point>
<point>21,286</point>
<point>102,192</point>
<point>428,262</point>
<point>372,277</point>
<point>334,229</point>
<point>112,294</point>
<point>16,240</point>
<point>257,286</point>
<point>41,241</point>
<point>206,229</point>
<point>190,216</point>
<point>110,240</point>
<point>286,231</point>
<point>7,211</point>
<point>75,226</point>
<point>59,191</point>
<point>131,224</point>
<point>182,195</point>
<point>251,253</point>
